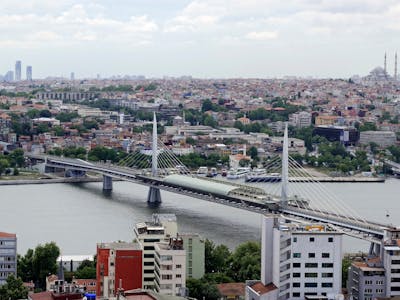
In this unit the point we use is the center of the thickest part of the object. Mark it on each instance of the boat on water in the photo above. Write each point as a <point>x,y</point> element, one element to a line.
<point>237,173</point>
<point>202,171</point>
<point>263,177</point>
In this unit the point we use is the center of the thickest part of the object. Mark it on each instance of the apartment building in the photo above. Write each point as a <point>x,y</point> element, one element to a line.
<point>170,267</point>
<point>8,256</point>
<point>119,265</point>
<point>298,261</point>
<point>160,228</point>
<point>194,246</point>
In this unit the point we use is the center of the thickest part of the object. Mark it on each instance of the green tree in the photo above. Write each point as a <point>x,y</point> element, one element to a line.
<point>25,266</point>
<point>346,263</point>
<point>216,257</point>
<point>4,164</point>
<point>45,113</point>
<point>13,289</point>
<point>253,152</point>
<point>45,262</point>
<point>200,289</point>
<point>206,105</point>
<point>86,273</point>
<point>245,262</point>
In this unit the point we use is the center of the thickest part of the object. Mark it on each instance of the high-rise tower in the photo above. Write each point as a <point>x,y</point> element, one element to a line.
<point>395,66</point>
<point>29,73</point>
<point>18,70</point>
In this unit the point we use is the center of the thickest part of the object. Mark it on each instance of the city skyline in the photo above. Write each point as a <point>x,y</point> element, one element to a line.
<point>202,38</point>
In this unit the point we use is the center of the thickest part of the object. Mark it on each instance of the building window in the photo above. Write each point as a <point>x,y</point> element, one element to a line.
<point>178,266</point>
<point>296,255</point>
<point>379,291</point>
<point>178,276</point>
<point>327,275</point>
<point>368,281</point>
<point>296,274</point>
<point>296,265</point>
<point>311,265</point>
<point>296,295</point>
<point>380,282</point>
<point>311,255</point>
<point>368,291</point>
<point>327,265</point>
<point>330,240</point>
<point>310,284</point>
<point>325,255</point>
<point>295,240</point>
<point>312,239</point>
<point>327,284</point>
<point>296,284</point>
<point>311,275</point>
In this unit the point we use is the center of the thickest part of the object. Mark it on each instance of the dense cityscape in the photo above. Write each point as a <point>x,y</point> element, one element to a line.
<point>198,149</point>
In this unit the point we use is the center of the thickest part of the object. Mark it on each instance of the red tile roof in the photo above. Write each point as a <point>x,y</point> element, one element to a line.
<point>263,289</point>
<point>7,235</point>
<point>232,289</point>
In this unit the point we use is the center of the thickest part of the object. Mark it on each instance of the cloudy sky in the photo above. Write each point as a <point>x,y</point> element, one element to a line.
<point>203,38</point>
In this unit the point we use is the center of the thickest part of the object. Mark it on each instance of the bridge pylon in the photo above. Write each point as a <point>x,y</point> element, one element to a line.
<point>154,195</point>
<point>285,168</point>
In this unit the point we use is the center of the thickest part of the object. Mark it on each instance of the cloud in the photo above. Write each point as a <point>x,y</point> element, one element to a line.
<point>262,35</point>
<point>73,25</point>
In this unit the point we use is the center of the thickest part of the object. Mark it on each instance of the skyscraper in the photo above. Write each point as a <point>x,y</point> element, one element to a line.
<point>18,70</point>
<point>29,73</point>
<point>72,76</point>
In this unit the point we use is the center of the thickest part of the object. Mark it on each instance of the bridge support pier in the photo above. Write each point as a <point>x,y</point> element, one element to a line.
<point>107,183</point>
<point>154,196</point>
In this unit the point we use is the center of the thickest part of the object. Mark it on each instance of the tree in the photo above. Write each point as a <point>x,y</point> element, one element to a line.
<point>45,113</point>
<point>45,262</point>
<point>25,266</point>
<point>207,105</point>
<point>346,263</point>
<point>86,273</point>
<point>200,289</point>
<point>13,289</point>
<point>216,257</point>
<point>253,152</point>
<point>245,262</point>
<point>3,165</point>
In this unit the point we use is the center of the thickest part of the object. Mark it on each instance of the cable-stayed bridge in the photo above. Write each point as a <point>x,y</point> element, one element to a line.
<point>160,169</point>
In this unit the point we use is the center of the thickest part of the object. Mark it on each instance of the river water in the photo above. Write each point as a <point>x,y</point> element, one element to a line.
<point>77,216</point>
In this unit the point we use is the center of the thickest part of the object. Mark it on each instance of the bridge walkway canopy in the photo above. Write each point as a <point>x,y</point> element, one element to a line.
<point>209,186</point>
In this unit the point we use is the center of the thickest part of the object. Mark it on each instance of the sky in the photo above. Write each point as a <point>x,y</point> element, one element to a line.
<point>202,38</point>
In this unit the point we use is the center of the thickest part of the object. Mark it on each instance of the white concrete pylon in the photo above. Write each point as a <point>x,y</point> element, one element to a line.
<point>285,167</point>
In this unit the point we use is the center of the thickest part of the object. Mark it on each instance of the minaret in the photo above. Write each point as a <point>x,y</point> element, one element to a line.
<point>395,66</point>
<point>385,66</point>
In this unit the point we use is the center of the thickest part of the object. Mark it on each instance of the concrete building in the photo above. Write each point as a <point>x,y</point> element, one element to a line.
<point>382,138</point>
<point>300,119</point>
<point>195,255</point>
<point>161,228</point>
<point>72,262</point>
<point>391,262</point>
<point>119,265</point>
<point>18,70</point>
<point>342,134</point>
<point>29,73</point>
<point>366,279</point>
<point>300,260</point>
<point>8,256</point>
<point>170,267</point>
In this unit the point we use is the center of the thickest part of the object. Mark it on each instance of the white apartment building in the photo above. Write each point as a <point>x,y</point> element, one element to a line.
<point>391,262</point>
<point>161,228</point>
<point>170,267</point>
<point>300,119</point>
<point>299,260</point>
